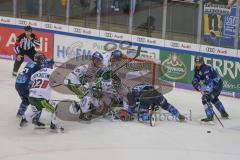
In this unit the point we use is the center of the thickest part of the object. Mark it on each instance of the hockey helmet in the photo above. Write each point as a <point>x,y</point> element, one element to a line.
<point>117,54</point>
<point>38,58</point>
<point>198,59</point>
<point>28,28</point>
<point>97,56</point>
<point>48,63</point>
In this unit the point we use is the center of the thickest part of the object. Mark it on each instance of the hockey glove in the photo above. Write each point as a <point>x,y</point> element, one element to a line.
<point>196,85</point>
<point>97,92</point>
<point>207,95</point>
<point>125,115</point>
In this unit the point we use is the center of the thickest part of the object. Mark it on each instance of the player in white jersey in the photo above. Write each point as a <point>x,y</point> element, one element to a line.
<point>81,80</point>
<point>39,95</point>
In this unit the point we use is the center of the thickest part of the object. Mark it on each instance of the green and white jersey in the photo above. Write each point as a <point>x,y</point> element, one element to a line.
<point>106,59</point>
<point>40,87</point>
<point>76,76</point>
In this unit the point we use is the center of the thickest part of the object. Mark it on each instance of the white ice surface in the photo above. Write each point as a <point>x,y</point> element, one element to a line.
<point>106,140</point>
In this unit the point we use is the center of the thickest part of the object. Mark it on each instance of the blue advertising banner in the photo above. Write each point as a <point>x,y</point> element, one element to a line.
<point>219,25</point>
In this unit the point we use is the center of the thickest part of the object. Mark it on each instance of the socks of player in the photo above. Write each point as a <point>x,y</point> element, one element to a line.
<point>208,110</point>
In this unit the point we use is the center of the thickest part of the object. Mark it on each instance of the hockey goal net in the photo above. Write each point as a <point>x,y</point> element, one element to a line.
<point>136,71</point>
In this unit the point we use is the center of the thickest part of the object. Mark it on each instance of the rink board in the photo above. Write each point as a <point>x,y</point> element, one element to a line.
<point>62,42</point>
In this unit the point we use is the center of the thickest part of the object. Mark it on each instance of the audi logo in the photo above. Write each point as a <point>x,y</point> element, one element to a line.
<point>32,24</point>
<point>48,26</point>
<point>139,39</point>
<point>174,44</point>
<point>77,30</point>
<point>108,34</point>
<point>23,22</point>
<point>209,49</point>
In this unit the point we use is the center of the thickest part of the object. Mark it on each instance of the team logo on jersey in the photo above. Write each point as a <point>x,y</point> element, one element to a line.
<point>174,68</point>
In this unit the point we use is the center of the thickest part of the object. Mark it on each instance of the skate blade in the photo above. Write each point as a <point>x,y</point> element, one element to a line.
<point>84,122</point>
<point>224,118</point>
<point>58,130</point>
<point>181,121</point>
<point>40,127</point>
<point>207,123</point>
<point>20,127</point>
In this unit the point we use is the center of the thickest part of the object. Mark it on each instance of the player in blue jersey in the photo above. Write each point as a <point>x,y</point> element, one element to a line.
<point>207,80</point>
<point>23,81</point>
<point>148,96</point>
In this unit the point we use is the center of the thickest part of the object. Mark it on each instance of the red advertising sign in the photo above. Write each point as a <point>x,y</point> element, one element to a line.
<point>9,35</point>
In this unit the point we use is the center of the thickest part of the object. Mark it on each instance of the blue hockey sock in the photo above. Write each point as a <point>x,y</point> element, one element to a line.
<point>208,110</point>
<point>171,109</point>
<point>131,109</point>
<point>220,107</point>
<point>37,116</point>
<point>22,109</point>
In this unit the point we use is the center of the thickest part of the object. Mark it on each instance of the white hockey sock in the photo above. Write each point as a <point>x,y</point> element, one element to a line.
<point>55,120</point>
<point>31,113</point>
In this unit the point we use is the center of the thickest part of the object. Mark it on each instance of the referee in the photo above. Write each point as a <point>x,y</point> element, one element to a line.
<point>25,46</point>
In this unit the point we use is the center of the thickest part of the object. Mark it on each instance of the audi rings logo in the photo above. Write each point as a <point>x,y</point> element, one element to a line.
<point>23,22</point>
<point>107,34</point>
<point>210,49</point>
<point>78,30</point>
<point>48,26</point>
<point>140,39</point>
<point>174,44</point>
<point>32,24</point>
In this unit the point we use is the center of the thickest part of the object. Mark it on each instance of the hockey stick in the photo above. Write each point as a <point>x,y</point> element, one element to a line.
<point>218,118</point>
<point>58,100</point>
<point>137,54</point>
<point>56,85</point>
<point>214,113</point>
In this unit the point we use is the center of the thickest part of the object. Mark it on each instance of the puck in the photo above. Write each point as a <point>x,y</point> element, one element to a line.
<point>208,131</point>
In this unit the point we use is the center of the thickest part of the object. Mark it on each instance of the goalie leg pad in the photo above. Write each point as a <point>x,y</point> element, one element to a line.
<point>168,107</point>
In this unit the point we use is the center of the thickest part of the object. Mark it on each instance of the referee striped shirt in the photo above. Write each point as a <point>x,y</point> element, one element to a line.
<point>24,44</point>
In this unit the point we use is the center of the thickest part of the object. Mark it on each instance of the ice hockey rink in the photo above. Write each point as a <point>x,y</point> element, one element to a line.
<point>103,139</point>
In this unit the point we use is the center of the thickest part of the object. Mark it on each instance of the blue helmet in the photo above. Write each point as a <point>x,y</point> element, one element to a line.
<point>47,63</point>
<point>117,54</point>
<point>97,55</point>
